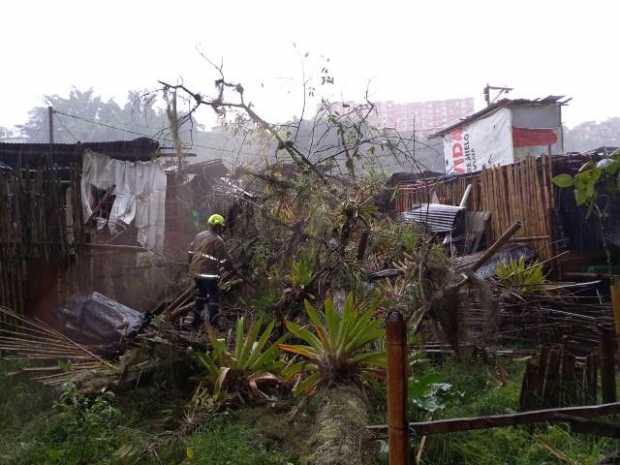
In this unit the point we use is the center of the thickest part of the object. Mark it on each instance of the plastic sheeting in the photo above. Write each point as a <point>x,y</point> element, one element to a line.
<point>98,321</point>
<point>140,195</point>
<point>510,252</point>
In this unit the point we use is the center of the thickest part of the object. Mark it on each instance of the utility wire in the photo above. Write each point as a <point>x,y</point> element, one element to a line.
<point>135,133</point>
<point>67,129</point>
<point>99,123</point>
<point>129,131</point>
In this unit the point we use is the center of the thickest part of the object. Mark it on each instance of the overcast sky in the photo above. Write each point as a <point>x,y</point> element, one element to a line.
<point>407,50</point>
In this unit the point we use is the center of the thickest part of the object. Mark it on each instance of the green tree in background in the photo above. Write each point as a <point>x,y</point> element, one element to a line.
<point>591,135</point>
<point>95,119</point>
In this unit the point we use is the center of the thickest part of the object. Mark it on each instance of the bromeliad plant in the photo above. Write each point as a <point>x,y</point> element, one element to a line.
<point>337,349</point>
<point>520,277</point>
<point>241,372</point>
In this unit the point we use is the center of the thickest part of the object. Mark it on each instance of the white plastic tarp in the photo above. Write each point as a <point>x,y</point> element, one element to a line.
<point>140,195</point>
<point>480,144</point>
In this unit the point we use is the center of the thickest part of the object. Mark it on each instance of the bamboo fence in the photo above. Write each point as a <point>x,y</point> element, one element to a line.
<point>40,219</point>
<point>519,192</point>
<point>48,254</point>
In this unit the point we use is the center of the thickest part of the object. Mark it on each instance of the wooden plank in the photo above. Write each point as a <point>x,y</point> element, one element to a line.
<point>453,425</point>
<point>595,428</point>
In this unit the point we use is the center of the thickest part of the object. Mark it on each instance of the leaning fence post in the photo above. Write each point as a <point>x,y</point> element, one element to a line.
<point>608,364</point>
<point>615,302</point>
<point>398,436</point>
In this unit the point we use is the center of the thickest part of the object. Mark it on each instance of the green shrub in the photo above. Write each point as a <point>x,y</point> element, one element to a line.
<point>82,430</point>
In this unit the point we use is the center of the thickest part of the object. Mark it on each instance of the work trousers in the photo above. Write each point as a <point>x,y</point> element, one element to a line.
<point>207,292</point>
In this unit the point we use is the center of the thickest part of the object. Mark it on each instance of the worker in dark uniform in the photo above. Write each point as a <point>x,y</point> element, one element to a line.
<point>208,256</point>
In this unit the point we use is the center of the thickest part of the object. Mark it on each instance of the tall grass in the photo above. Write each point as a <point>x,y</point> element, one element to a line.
<point>484,392</point>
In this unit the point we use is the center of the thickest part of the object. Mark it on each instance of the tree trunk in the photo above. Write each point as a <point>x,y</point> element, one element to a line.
<point>340,436</point>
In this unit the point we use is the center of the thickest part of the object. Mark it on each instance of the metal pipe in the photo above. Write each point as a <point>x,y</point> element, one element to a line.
<point>398,432</point>
<point>465,196</point>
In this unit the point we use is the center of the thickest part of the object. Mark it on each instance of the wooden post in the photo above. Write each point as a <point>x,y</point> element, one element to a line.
<point>496,246</point>
<point>543,360</point>
<point>615,302</point>
<point>608,365</point>
<point>568,377</point>
<point>529,393</point>
<point>50,124</point>
<point>590,379</point>
<point>552,381</point>
<point>569,381</point>
<point>398,430</point>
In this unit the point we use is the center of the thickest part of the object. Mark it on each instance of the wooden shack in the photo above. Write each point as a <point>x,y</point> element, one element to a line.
<point>46,251</point>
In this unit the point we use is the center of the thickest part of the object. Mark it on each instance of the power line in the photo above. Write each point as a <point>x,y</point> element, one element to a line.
<point>67,129</point>
<point>135,133</point>
<point>99,123</point>
<point>130,131</point>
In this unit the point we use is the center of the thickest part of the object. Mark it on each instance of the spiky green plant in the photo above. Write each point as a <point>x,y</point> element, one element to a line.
<point>337,349</point>
<point>302,272</point>
<point>240,372</point>
<point>519,276</point>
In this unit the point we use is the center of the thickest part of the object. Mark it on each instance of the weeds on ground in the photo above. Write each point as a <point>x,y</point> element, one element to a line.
<point>21,404</point>
<point>483,392</point>
<point>39,428</point>
<point>222,442</point>
<point>77,430</point>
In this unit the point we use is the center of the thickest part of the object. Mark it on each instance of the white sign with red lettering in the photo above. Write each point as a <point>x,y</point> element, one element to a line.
<point>483,143</point>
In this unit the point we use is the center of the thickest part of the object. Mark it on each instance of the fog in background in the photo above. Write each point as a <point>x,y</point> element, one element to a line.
<point>397,50</point>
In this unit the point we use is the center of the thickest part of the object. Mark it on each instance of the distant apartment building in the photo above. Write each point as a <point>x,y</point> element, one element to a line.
<point>8,135</point>
<point>424,117</point>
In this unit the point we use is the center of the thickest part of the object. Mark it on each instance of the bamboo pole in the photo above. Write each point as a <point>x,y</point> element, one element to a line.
<point>398,430</point>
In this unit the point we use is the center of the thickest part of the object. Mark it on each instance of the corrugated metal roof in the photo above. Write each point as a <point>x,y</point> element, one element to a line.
<point>141,149</point>
<point>437,217</point>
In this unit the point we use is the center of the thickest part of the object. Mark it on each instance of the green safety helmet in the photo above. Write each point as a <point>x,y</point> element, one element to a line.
<point>216,219</point>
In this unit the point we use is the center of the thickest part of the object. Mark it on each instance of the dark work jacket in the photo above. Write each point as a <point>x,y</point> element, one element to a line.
<point>208,254</point>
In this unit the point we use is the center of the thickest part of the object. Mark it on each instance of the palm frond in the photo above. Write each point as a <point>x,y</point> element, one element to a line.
<point>58,358</point>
